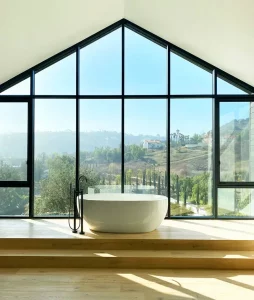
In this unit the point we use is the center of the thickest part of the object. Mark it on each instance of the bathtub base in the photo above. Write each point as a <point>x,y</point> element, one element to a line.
<point>123,230</point>
<point>123,213</point>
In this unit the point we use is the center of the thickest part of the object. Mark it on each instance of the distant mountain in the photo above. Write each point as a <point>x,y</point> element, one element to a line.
<point>14,145</point>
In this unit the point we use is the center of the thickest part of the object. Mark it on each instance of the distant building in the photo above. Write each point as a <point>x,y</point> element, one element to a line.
<point>153,144</point>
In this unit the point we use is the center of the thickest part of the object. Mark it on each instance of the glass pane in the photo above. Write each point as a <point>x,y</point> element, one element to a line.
<point>191,157</point>
<point>236,202</point>
<point>100,144</point>
<point>145,66</point>
<point>236,141</point>
<point>145,147</point>
<point>224,87</point>
<point>57,79</point>
<point>188,78</point>
<point>55,146</point>
<point>14,201</point>
<point>21,88</point>
<point>101,66</point>
<point>13,141</point>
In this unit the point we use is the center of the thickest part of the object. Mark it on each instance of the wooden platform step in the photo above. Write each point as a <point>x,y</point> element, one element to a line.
<point>138,259</point>
<point>125,244</point>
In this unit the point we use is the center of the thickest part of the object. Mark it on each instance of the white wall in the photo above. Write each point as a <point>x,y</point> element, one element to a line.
<point>34,30</point>
<point>219,31</point>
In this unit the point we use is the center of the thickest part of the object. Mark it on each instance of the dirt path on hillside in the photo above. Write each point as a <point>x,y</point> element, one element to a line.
<point>187,159</point>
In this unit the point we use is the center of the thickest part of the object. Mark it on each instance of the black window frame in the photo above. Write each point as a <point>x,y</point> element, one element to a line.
<point>216,73</point>
<point>29,162</point>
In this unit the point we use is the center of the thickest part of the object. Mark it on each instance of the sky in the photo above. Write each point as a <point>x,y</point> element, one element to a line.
<point>100,74</point>
<point>232,111</point>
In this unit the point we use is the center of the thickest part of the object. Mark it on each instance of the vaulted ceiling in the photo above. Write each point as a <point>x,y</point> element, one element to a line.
<point>218,31</point>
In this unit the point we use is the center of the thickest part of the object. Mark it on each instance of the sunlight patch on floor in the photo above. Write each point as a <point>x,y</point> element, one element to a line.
<point>35,222</point>
<point>155,286</point>
<point>103,254</point>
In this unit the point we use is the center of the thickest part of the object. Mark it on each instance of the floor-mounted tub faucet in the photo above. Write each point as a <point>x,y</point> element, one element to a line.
<point>78,196</point>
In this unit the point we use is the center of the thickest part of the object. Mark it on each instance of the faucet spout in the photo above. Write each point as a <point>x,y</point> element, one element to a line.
<point>81,178</point>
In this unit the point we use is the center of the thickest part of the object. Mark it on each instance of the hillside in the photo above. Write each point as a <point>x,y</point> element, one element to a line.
<point>14,145</point>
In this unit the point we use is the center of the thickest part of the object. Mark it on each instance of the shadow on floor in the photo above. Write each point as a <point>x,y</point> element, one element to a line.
<point>240,284</point>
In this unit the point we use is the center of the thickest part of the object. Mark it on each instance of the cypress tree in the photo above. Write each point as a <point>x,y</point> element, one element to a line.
<point>159,185</point>
<point>177,189</point>
<point>144,177</point>
<point>198,194</point>
<point>185,196</point>
<point>166,180</point>
<point>125,178</point>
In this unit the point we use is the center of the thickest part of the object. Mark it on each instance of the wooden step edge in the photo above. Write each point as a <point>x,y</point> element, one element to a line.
<point>153,254</point>
<point>125,244</point>
<point>127,263</point>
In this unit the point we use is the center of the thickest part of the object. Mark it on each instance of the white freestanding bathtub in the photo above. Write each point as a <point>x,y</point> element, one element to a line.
<point>126,213</point>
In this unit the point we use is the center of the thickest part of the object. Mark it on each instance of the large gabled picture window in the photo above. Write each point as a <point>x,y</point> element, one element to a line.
<point>135,114</point>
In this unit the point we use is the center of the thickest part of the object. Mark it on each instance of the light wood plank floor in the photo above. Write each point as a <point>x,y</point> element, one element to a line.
<point>127,284</point>
<point>170,229</point>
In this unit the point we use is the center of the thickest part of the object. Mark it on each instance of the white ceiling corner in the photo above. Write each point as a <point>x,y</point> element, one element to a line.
<point>34,30</point>
<point>218,31</point>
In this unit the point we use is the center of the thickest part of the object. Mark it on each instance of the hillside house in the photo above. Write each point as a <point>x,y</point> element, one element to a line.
<point>153,144</point>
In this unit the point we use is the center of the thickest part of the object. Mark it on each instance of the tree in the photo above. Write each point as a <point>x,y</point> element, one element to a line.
<point>55,189</point>
<point>139,175</point>
<point>129,177</point>
<point>40,167</point>
<point>13,201</point>
<point>118,179</point>
<point>173,183</point>
<point>149,176</point>
<point>159,185</point>
<point>154,178</point>
<point>196,193</point>
<point>196,138</point>
<point>166,183</point>
<point>163,187</point>
<point>7,172</point>
<point>185,187</point>
<point>177,189</point>
<point>54,197</point>
<point>200,186</point>
<point>144,177</point>
<point>125,182</point>
<point>134,152</point>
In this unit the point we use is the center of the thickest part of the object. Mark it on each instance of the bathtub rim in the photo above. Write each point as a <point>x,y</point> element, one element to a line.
<point>113,197</point>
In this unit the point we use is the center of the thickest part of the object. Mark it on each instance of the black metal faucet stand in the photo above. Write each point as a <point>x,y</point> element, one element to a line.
<point>78,208</point>
<point>75,213</point>
<point>81,212</point>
